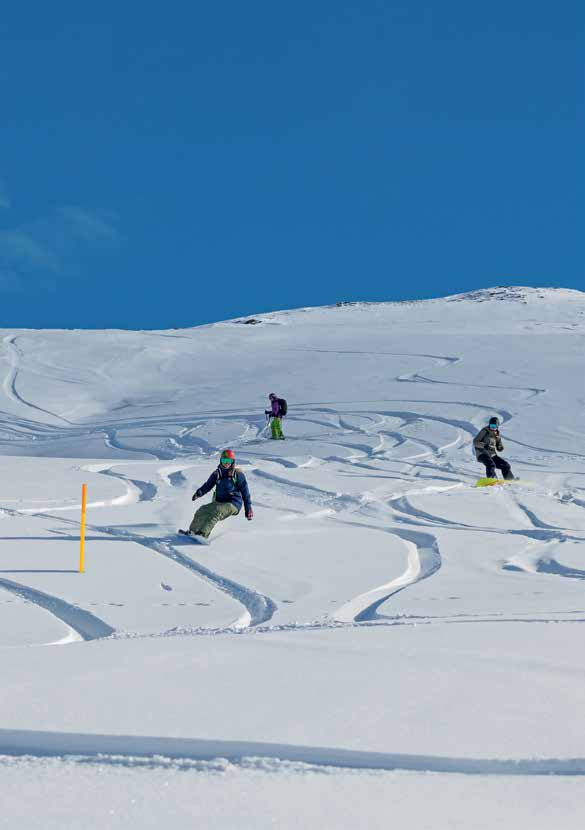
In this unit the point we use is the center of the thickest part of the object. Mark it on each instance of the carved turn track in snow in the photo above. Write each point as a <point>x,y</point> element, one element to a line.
<point>9,384</point>
<point>424,560</point>
<point>85,625</point>
<point>258,607</point>
<point>136,489</point>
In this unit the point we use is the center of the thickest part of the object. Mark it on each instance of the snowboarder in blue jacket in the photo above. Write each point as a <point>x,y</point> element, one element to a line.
<point>231,492</point>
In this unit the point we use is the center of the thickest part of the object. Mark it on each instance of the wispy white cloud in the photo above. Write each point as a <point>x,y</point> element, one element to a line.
<point>89,225</point>
<point>55,245</point>
<point>20,248</point>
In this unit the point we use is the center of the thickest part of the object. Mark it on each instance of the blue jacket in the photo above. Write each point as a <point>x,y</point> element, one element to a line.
<point>229,485</point>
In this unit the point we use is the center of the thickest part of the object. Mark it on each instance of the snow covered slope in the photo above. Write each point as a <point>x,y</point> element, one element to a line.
<point>380,612</point>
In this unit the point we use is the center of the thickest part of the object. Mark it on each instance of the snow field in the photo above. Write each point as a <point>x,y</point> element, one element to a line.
<point>378,603</point>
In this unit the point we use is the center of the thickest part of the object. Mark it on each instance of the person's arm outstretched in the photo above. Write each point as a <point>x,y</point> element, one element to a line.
<point>205,488</point>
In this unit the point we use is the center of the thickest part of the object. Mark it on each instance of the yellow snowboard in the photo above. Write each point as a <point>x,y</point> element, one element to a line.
<point>490,482</point>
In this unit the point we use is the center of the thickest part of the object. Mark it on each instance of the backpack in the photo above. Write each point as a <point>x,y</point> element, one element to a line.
<point>234,473</point>
<point>283,407</point>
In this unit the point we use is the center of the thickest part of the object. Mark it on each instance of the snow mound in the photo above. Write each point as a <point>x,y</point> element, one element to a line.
<point>505,295</point>
<point>518,294</point>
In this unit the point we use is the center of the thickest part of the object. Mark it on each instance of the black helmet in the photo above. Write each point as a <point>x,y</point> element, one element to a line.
<point>494,420</point>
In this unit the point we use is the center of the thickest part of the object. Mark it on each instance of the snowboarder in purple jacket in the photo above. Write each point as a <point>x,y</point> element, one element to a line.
<point>275,414</point>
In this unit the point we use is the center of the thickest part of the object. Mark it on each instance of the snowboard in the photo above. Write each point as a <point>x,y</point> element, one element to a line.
<point>197,540</point>
<point>494,482</point>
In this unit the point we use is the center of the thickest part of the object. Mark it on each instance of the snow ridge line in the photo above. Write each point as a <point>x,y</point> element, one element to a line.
<point>112,749</point>
<point>329,624</point>
<point>83,623</point>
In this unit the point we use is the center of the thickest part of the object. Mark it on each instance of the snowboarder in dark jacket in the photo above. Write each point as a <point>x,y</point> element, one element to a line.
<point>487,444</point>
<point>231,491</point>
<point>275,414</point>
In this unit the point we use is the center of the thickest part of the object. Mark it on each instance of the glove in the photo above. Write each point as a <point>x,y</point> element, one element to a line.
<point>195,496</point>
<point>250,515</point>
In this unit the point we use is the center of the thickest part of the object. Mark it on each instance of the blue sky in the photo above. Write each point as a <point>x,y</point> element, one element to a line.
<point>171,164</point>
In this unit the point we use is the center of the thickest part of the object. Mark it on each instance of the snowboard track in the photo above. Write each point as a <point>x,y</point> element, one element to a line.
<point>424,559</point>
<point>9,384</point>
<point>259,608</point>
<point>86,625</point>
<point>424,555</point>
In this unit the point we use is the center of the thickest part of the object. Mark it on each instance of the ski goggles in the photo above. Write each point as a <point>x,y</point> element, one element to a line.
<point>493,426</point>
<point>225,459</point>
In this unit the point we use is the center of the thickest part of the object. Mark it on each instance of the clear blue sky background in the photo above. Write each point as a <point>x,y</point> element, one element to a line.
<point>168,164</point>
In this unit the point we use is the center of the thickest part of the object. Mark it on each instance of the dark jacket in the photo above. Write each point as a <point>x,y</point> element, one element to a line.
<point>230,485</point>
<point>487,441</point>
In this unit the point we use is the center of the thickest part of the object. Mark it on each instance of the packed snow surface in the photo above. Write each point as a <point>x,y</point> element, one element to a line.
<point>383,639</point>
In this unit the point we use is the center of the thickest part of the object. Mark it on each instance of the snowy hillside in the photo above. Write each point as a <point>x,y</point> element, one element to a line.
<point>380,619</point>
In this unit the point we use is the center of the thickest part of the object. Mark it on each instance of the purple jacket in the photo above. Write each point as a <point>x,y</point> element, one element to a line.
<point>275,411</point>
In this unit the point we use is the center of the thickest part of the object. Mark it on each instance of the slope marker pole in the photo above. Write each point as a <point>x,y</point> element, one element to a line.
<point>82,534</point>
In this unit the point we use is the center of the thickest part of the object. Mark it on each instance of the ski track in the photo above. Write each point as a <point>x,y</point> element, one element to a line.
<point>563,453</point>
<point>534,520</point>
<point>258,607</point>
<point>535,560</point>
<point>137,490</point>
<point>424,559</point>
<point>542,565</point>
<point>132,750</point>
<point>177,479</point>
<point>416,377</point>
<point>9,384</point>
<point>112,441</point>
<point>173,474</point>
<point>556,568</point>
<point>324,498</point>
<point>407,513</point>
<point>85,625</point>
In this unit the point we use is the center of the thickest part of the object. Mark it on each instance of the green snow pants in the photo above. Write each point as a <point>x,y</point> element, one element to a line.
<point>206,518</point>
<point>276,427</point>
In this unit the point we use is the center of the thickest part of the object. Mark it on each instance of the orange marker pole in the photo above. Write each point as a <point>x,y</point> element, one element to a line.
<point>82,535</point>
